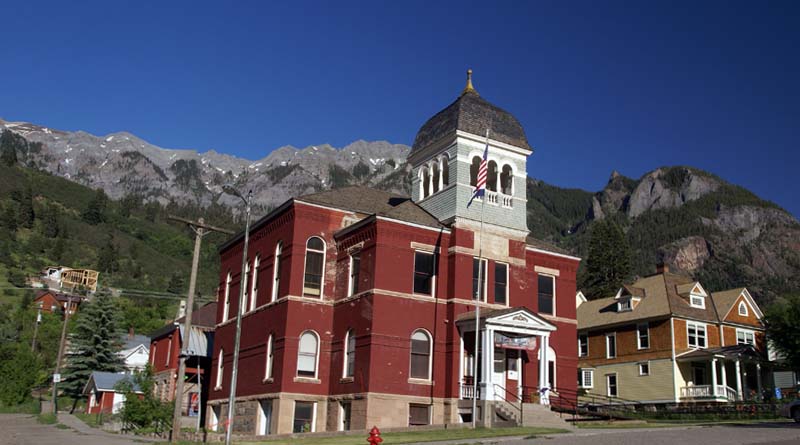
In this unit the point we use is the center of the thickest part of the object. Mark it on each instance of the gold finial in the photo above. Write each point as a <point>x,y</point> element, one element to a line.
<point>469,88</point>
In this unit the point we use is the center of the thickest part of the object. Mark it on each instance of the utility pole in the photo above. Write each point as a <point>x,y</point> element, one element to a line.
<point>200,229</point>
<point>36,327</point>
<point>57,373</point>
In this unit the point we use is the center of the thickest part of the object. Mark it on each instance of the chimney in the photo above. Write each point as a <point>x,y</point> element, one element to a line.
<point>130,332</point>
<point>662,268</point>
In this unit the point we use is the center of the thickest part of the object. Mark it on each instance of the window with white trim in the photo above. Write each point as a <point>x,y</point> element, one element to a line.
<point>315,267</point>
<point>583,345</point>
<point>420,355</point>
<point>423,272</point>
<point>220,369</point>
<point>546,294</point>
<point>745,337</point>
<point>743,309</point>
<point>304,417</point>
<point>355,267</point>
<point>307,354</point>
<point>350,354</point>
<point>501,283</point>
<point>586,378</point>
<point>611,385</point>
<point>169,351</point>
<point>611,345</point>
<point>697,301</point>
<point>644,368</point>
<point>624,305</point>
<point>276,271</point>
<point>696,335</point>
<point>226,306</point>
<point>643,336</point>
<point>243,284</point>
<point>268,364</point>
<point>254,282</point>
<point>479,278</point>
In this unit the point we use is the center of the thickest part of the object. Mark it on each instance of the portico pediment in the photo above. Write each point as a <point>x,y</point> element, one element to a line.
<point>520,318</point>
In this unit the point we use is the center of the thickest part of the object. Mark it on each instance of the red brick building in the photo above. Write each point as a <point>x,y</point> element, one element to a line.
<point>359,304</point>
<point>51,302</point>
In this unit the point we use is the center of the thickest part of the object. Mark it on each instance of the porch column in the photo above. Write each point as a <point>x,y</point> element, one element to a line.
<point>724,373</point>
<point>714,377</point>
<point>487,386</point>
<point>543,370</point>
<point>738,380</point>
<point>758,381</point>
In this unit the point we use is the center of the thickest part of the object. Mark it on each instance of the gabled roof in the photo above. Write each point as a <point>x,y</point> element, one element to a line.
<point>107,381</point>
<point>129,342</point>
<point>519,316</point>
<point>60,296</point>
<point>724,301</point>
<point>204,317</point>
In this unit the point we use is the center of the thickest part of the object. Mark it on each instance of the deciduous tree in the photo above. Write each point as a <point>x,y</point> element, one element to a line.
<point>783,328</point>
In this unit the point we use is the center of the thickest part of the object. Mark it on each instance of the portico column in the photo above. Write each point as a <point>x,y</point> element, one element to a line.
<point>738,380</point>
<point>543,370</point>
<point>758,381</point>
<point>487,386</point>
<point>441,176</point>
<point>714,377</point>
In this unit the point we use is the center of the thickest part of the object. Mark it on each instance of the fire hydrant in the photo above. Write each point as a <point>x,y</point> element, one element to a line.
<point>374,436</point>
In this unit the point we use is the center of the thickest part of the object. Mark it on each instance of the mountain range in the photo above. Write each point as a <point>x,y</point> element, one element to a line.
<point>690,219</point>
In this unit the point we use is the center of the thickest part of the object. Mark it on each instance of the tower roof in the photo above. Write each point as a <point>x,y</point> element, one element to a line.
<point>473,114</point>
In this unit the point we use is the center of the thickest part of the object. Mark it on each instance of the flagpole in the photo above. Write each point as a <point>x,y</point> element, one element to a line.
<point>478,294</point>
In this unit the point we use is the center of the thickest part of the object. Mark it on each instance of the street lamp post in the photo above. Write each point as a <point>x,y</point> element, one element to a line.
<point>242,284</point>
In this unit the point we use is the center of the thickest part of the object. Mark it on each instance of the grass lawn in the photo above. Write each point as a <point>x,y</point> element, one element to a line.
<point>417,436</point>
<point>90,419</point>
<point>668,423</point>
<point>47,418</point>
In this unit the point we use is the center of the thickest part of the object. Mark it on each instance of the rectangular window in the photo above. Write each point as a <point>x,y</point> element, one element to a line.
<point>303,417</point>
<point>476,271</point>
<point>643,335</point>
<point>611,385</point>
<point>624,305</point>
<point>501,283</point>
<point>697,301</point>
<point>586,378</point>
<point>423,273</point>
<point>745,337</point>
<point>644,368</point>
<point>346,410</point>
<point>355,267</point>
<point>268,365</point>
<point>583,345</point>
<point>312,284</point>
<point>696,334</point>
<point>419,414</point>
<point>547,284</point>
<point>169,351</point>
<point>611,345</point>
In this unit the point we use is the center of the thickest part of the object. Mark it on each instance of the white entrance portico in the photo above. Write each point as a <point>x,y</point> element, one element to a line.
<point>508,338</point>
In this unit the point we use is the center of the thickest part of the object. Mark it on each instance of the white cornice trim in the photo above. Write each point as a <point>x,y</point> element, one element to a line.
<point>493,142</point>
<point>547,252</point>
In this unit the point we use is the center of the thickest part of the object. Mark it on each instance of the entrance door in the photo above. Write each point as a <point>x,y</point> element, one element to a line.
<point>499,373</point>
<point>512,373</point>
<point>264,417</point>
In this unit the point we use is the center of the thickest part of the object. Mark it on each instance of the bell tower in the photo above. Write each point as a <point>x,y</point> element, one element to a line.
<point>446,155</point>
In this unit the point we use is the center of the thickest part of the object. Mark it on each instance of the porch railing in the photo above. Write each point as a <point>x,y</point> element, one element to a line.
<point>468,391</point>
<point>708,391</point>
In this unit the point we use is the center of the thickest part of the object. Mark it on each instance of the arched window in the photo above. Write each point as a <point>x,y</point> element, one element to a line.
<point>421,355</point>
<point>742,309</point>
<point>491,177</point>
<point>243,283</point>
<point>307,354</point>
<point>425,182</point>
<point>226,302</point>
<point>473,170</point>
<point>276,272</point>
<point>551,366</point>
<point>220,368</point>
<point>268,363</point>
<point>350,354</point>
<point>436,178</point>
<point>507,180</point>
<point>254,282</point>
<point>445,170</point>
<point>315,266</point>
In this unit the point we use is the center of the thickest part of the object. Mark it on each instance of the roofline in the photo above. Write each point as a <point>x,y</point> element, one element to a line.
<point>562,255</point>
<point>255,226</point>
<point>624,323</point>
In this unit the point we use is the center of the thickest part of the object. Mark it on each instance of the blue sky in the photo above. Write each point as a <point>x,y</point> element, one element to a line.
<point>598,86</point>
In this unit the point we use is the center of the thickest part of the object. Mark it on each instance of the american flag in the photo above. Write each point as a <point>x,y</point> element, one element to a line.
<point>480,185</point>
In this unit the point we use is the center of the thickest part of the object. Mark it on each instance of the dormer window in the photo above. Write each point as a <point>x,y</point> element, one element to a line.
<point>624,305</point>
<point>697,301</point>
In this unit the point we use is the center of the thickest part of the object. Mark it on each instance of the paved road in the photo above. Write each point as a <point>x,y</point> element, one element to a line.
<point>19,429</point>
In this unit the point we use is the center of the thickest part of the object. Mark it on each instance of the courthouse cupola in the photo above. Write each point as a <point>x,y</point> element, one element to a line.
<point>446,155</point>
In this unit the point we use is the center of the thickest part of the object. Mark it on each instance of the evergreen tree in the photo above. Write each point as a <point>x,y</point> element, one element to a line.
<point>25,215</point>
<point>609,261</point>
<point>10,218</point>
<point>50,222</point>
<point>58,249</point>
<point>8,149</point>
<point>128,204</point>
<point>94,343</point>
<point>95,212</point>
<point>108,258</point>
<point>175,285</point>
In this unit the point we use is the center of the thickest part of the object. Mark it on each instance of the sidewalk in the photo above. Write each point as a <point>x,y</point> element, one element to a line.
<point>78,425</point>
